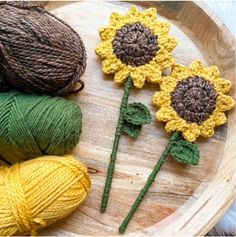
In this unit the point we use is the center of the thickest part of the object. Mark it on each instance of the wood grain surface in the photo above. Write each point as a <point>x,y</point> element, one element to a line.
<point>184,200</point>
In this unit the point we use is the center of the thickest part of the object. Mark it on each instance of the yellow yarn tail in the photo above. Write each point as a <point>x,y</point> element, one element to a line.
<point>36,193</point>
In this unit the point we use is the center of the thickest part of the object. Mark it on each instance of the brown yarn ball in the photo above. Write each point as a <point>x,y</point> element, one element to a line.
<point>39,53</point>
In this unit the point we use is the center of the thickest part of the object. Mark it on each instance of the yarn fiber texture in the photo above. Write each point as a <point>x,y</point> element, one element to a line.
<point>39,53</point>
<point>38,192</point>
<point>38,125</point>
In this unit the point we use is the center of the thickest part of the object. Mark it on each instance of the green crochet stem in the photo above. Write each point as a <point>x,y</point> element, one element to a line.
<point>111,167</point>
<point>149,182</point>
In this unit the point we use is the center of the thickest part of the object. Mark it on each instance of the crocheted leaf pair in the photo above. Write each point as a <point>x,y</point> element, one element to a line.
<point>136,115</point>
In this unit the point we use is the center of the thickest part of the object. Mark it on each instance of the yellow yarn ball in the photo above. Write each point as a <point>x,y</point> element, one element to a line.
<point>38,192</point>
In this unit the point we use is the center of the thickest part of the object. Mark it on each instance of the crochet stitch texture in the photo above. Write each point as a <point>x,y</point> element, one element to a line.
<point>136,44</point>
<point>207,100</point>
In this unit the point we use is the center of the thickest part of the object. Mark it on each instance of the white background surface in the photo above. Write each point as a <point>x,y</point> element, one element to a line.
<point>226,10</point>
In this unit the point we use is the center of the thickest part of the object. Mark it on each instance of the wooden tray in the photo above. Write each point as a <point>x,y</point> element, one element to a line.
<point>184,200</point>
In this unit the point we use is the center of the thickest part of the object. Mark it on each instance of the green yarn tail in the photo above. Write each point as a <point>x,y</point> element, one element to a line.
<point>174,141</point>
<point>111,167</point>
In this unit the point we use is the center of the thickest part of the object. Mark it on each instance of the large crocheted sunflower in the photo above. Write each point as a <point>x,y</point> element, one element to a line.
<point>135,47</point>
<point>193,100</point>
<point>136,44</point>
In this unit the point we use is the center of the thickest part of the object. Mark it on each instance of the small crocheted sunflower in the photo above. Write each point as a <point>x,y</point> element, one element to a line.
<point>136,44</point>
<point>193,100</point>
<point>135,47</point>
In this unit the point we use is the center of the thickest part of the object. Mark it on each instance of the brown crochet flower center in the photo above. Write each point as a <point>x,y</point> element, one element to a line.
<point>135,44</point>
<point>194,99</point>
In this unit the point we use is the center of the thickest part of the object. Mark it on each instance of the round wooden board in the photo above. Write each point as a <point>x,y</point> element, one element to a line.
<point>184,200</point>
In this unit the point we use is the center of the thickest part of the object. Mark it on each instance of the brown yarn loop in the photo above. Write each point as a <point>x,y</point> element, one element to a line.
<point>39,53</point>
<point>81,87</point>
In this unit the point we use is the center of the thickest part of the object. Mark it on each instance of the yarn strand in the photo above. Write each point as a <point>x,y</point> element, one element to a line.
<point>111,167</point>
<point>149,182</point>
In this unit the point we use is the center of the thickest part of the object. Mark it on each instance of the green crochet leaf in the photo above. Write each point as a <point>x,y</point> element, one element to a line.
<point>131,129</point>
<point>185,152</point>
<point>137,114</point>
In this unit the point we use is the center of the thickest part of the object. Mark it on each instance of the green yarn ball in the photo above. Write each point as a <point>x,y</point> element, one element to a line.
<point>38,125</point>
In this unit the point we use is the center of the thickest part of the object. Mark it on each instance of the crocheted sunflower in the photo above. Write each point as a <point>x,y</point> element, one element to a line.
<point>135,47</point>
<point>193,100</point>
<point>136,44</point>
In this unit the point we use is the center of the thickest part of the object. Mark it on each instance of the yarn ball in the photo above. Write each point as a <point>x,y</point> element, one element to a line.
<point>39,53</point>
<point>38,125</point>
<point>38,192</point>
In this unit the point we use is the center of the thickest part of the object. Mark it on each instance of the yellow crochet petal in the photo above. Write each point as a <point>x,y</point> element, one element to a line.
<point>207,128</point>
<point>192,132</point>
<point>116,19</point>
<point>196,67</point>
<point>138,78</point>
<point>168,42</point>
<point>209,73</point>
<point>219,118</point>
<point>166,114</point>
<point>160,28</point>
<point>104,49</point>
<point>106,33</point>
<point>224,102</point>
<point>222,85</point>
<point>180,72</point>
<point>168,84</point>
<point>133,12</point>
<point>121,76</point>
<point>176,124</point>
<point>212,72</point>
<point>153,74</point>
<point>150,14</point>
<point>111,65</point>
<point>161,99</point>
<point>164,59</point>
